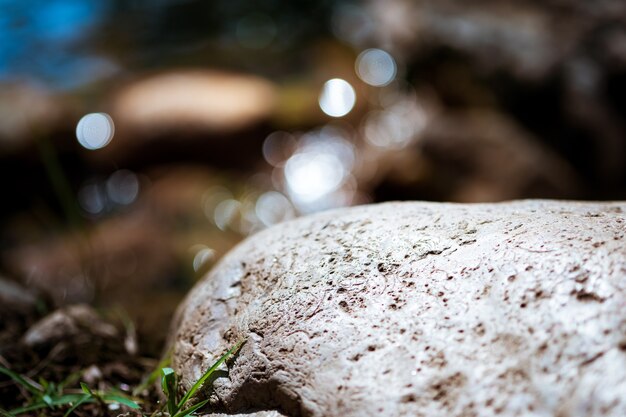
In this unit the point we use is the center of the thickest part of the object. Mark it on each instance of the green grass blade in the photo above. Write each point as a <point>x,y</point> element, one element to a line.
<point>44,384</point>
<point>69,381</point>
<point>153,376</point>
<point>169,385</point>
<point>5,413</point>
<point>70,399</point>
<point>192,409</point>
<point>48,400</point>
<point>86,389</point>
<point>32,407</point>
<point>83,399</point>
<point>208,373</point>
<point>113,398</point>
<point>31,387</point>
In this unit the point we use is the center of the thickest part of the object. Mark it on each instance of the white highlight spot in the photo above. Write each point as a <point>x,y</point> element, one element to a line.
<point>204,255</point>
<point>376,67</point>
<point>95,130</point>
<point>337,97</point>
<point>313,175</point>
<point>225,213</point>
<point>277,147</point>
<point>273,207</point>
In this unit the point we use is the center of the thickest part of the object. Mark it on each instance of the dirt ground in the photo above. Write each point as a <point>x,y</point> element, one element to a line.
<point>77,344</point>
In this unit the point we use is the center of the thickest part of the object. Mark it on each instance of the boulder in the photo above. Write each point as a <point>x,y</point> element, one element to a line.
<point>419,309</point>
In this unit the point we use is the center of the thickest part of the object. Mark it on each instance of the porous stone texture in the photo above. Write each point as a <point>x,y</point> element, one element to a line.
<point>419,309</point>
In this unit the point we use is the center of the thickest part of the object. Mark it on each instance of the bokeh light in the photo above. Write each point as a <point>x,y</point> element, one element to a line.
<point>92,198</point>
<point>273,207</point>
<point>337,97</point>
<point>226,213</point>
<point>396,126</point>
<point>376,67</point>
<point>316,173</point>
<point>95,130</point>
<point>311,175</point>
<point>277,147</point>
<point>98,196</point>
<point>203,255</point>
<point>123,187</point>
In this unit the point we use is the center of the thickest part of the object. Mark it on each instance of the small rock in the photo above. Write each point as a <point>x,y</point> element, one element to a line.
<point>68,323</point>
<point>18,309</point>
<point>92,375</point>
<point>15,298</point>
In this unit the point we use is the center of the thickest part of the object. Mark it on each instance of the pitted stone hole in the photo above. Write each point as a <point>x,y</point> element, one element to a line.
<point>588,296</point>
<point>408,398</point>
<point>480,329</point>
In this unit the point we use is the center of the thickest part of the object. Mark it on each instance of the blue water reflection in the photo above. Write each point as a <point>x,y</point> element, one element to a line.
<point>43,40</point>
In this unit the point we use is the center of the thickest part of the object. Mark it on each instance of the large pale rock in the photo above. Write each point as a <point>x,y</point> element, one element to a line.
<point>419,309</point>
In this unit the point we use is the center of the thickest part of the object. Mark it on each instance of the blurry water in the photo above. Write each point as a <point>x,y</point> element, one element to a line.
<point>47,42</point>
<point>64,44</point>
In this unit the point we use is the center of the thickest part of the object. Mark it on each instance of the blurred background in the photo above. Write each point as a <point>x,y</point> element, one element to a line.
<point>232,115</point>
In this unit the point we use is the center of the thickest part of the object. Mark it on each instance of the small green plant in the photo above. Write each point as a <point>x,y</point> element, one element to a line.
<point>152,377</point>
<point>46,394</point>
<point>169,383</point>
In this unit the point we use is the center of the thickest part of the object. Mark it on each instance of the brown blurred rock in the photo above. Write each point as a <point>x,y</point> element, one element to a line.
<point>526,38</point>
<point>473,156</point>
<point>557,67</point>
<point>488,157</point>
<point>68,323</point>
<point>119,257</point>
<point>193,115</point>
<point>141,249</point>
<point>15,298</point>
<point>25,113</point>
<point>185,99</point>
<point>18,308</point>
<point>74,336</point>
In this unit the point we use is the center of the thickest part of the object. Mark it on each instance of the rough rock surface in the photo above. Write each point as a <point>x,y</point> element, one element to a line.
<point>419,309</point>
